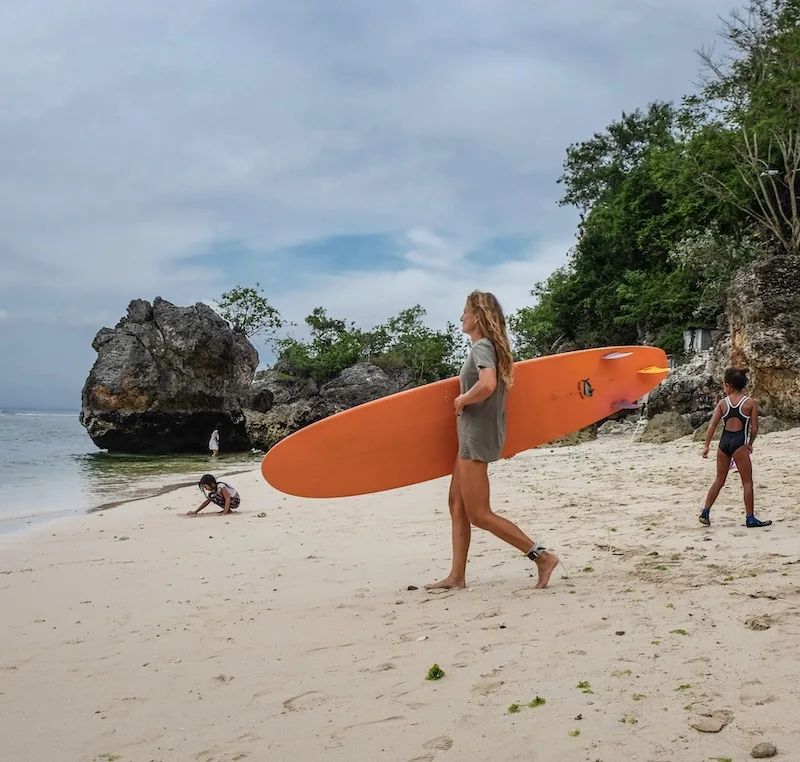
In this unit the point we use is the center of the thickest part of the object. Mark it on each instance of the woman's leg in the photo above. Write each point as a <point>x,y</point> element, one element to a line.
<point>745,466</point>
<point>462,533</point>
<point>474,483</point>
<point>723,466</point>
<point>742,459</point>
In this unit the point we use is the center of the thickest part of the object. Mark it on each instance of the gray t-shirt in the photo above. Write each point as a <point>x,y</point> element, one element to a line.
<point>481,426</point>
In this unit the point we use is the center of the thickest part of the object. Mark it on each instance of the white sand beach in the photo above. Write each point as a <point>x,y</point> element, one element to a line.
<point>141,636</point>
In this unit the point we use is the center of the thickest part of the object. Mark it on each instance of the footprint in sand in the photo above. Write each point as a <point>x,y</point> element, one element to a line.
<point>307,700</point>
<point>487,687</point>
<point>234,751</point>
<point>433,748</point>
<point>463,659</point>
<point>335,736</point>
<point>754,694</point>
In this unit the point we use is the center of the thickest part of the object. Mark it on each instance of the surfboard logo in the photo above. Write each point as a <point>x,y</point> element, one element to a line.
<point>585,388</point>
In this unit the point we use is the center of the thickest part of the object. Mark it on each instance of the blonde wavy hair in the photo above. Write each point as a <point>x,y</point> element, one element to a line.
<point>492,323</point>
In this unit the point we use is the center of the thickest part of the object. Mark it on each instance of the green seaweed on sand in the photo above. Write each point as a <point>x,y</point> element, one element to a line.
<point>435,673</point>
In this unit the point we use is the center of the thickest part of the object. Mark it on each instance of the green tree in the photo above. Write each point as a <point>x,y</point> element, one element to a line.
<point>753,94</point>
<point>248,312</point>
<point>673,201</point>
<point>630,221</point>
<point>403,341</point>
<point>431,355</point>
<point>333,346</point>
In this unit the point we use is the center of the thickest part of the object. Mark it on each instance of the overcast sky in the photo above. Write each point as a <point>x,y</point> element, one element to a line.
<point>360,155</point>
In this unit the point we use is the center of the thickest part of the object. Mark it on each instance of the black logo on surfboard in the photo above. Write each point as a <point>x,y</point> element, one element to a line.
<point>585,388</point>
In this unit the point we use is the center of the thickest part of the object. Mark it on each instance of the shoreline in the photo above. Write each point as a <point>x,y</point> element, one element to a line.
<point>309,631</point>
<point>19,525</point>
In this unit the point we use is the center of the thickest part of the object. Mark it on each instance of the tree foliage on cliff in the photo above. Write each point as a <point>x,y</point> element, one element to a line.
<point>248,312</point>
<point>403,341</point>
<point>673,199</point>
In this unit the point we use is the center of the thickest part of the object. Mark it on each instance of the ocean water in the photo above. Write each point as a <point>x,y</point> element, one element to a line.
<point>49,467</point>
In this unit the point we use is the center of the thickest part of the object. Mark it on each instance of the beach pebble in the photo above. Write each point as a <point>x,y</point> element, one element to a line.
<point>758,623</point>
<point>413,587</point>
<point>421,638</point>
<point>620,632</point>
<point>262,515</point>
<point>764,750</point>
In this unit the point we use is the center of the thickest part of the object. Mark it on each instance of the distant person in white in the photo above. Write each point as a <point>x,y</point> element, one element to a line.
<point>213,443</point>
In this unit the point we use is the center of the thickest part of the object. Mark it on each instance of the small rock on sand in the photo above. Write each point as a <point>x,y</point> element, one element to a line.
<point>711,722</point>
<point>764,750</point>
<point>758,622</point>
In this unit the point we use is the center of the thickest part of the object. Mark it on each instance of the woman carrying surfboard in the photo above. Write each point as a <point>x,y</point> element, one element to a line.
<point>485,377</point>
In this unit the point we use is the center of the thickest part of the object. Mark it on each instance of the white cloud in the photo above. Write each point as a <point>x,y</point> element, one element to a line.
<point>134,135</point>
<point>439,285</point>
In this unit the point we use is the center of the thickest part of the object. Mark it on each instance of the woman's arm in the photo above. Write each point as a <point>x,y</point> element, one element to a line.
<point>482,389</point>
<point>194,513</point>
<point>753,425</point>
<point>712,427</point>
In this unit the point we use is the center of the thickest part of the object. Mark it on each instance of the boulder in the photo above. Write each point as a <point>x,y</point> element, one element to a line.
<point>164,377</point>
<point>615,428</point>
<point>665,427</point>
<point>589,434</point>
<point>277,387</point>
<point>691,390</point>
<point>265,430</point>
<point>298,402</point>
<point>363,383</point>
<point>701,431</point>
<point>763,334</point>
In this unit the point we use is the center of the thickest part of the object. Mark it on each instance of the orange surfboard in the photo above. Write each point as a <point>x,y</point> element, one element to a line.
<point>410,437</point>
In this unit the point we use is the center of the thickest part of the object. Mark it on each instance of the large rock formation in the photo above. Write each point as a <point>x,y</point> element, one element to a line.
<point>164,377</point>
<point>665,427</point>
<point>763,322</point>
<point>281,404</point>
<point>691,390</point>
<point>761,332</point>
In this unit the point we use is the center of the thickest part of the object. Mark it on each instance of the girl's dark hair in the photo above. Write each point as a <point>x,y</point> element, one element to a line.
<point>736,378</point>
<point>207,480</point>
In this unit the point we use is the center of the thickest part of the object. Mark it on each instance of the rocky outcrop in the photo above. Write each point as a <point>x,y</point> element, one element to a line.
<point>164,377</point>
<point>760,331</point>
<point>589,434</point>
<point>665,427</point>
<point>763,334</point>
<point>690,390</point>
<point>281,404</point>
<point>276,387</point>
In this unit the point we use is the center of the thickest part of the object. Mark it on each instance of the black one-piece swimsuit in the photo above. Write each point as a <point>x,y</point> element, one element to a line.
<point>731,441</point>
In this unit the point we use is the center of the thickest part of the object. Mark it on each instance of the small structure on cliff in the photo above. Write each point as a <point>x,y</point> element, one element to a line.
<point>697,340</point>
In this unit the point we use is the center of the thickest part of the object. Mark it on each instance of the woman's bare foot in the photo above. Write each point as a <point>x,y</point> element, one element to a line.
<point>545,564</point>
<point>448,583</point>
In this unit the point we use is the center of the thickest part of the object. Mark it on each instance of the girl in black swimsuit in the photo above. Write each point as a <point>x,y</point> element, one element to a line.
<point>739,415</point>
